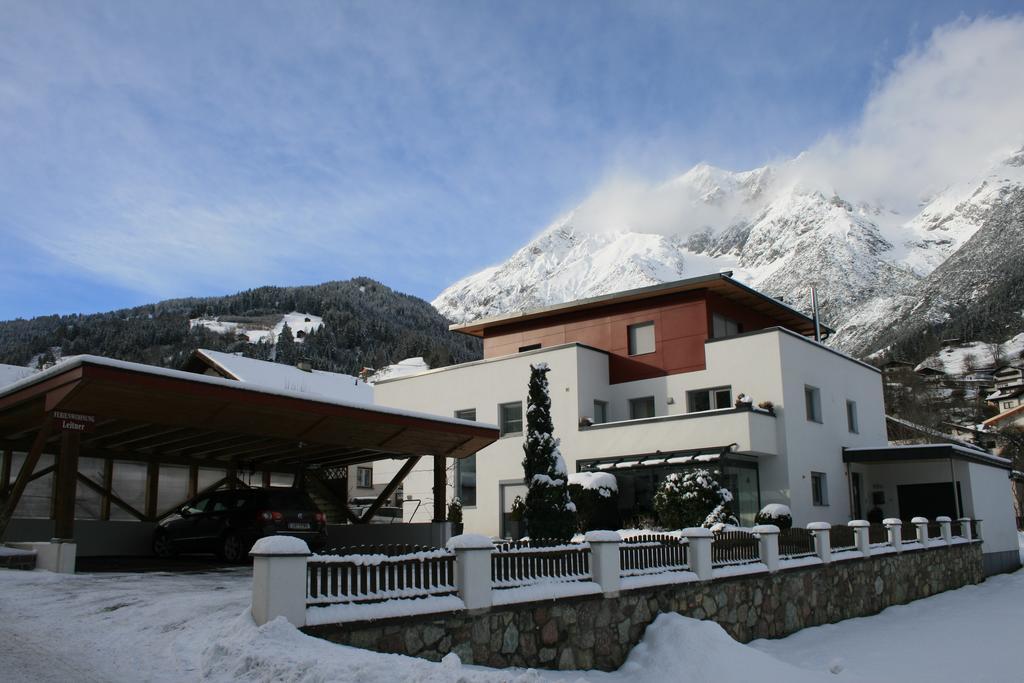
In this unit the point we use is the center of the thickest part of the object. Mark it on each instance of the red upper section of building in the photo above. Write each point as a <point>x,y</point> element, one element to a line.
<point>673,321</point>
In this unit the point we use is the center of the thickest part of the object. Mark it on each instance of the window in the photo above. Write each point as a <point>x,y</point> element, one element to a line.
<point>364,477</point>
<point>639,408</point>
<point>715,398</point>
<point>724,327</point>
<point>510,418</point>
<point>529,347</point>
<point>196,507</point>
<point>465,468</point>
<point>851,417</point>
<point>812,398</point>
<point>641,338</point>
<point>600,412</point>
<point>819,488</point>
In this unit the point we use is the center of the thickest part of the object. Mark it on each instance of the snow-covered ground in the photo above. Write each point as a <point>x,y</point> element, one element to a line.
<point>297,322</point>
<point>189,627</point>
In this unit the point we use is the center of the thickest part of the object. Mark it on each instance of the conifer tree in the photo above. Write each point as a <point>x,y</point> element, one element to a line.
<point>550,514</point>
<point>286,351</point>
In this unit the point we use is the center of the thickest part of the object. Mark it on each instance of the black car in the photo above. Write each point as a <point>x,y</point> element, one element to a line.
<point>229,522</point>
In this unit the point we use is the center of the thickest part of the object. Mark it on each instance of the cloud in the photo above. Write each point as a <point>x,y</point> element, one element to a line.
<point>945,112</point>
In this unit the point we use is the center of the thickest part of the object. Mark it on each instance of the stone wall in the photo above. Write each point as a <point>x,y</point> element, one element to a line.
<point>598,632</point>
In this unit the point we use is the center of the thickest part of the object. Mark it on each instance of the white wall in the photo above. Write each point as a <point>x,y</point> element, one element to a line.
<point>991,502</point>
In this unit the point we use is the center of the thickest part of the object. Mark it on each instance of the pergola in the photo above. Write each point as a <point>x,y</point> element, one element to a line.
<point>97,407</point>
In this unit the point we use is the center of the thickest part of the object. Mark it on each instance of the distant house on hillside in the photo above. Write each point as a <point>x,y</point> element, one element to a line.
<point>1009,387</point>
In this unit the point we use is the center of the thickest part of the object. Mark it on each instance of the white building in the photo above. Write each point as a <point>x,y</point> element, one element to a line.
<point>647,382</point>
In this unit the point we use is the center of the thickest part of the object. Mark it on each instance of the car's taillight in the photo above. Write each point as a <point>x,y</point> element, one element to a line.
<point>269,515</point>
<point>320,517</point>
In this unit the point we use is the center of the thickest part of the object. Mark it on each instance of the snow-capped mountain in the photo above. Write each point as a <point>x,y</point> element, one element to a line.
<point>774,231</point>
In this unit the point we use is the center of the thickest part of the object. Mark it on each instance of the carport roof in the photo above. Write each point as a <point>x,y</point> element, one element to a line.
<point>156,414</point>
<point>930,451</point>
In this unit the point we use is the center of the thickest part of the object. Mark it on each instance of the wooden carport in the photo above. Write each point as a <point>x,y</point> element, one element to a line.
<point>97,407</point>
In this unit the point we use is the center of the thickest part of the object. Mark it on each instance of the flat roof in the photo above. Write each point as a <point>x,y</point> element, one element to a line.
<point>928,451</point>
<point>720,283</point>
<point>147,413</point>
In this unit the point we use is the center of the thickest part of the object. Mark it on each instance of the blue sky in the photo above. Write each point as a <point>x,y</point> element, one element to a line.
<point>156,150</point>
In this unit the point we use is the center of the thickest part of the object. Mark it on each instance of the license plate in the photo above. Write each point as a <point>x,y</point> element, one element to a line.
<point>299,526</point>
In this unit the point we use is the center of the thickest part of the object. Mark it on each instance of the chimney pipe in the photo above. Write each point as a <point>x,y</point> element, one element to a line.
<point>814,309</point>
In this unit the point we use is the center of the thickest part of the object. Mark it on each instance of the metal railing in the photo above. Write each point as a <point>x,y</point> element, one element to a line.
<point>795,542</point>
<point>842,537</point>
<point>373,577</point>
<point>734,547</point>
<point>517,567</point>
<point>652,554</point>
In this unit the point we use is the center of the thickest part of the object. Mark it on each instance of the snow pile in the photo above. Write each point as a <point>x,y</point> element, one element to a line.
<point>303,323</point>
<point>403,368</point>
<point>776,510</point>
<point>469,541</point>
<point>602,482</point>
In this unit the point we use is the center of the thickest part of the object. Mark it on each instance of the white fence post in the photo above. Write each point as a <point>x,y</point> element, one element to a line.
<point>473,569</point>
<point>769,545</point>
<point>922,530</point>
<point>605,562</point>
<point>945,524</point>
<point>895,527</point>
<point>861,532</point>
<point>822,541</point>
<point>965,527</point>
<point>699,552</point>
<point>279,579</point>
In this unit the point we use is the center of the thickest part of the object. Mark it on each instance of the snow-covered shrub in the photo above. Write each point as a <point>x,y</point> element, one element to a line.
<point>596,495</point>
<point>693,498</point>
<point>777,514</point>
<point>549,514</point>
<point>455,511</point>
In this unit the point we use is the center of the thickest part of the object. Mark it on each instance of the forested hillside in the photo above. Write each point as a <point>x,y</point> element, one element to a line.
<point>365,324</point>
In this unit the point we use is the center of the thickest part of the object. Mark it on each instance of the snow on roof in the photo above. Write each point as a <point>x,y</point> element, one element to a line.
<point>12,373</point>
<point>403,368</point>
<point>1003,416</point>
<point>334,385</point>
<point>72,362</point>
<point>594,480</point>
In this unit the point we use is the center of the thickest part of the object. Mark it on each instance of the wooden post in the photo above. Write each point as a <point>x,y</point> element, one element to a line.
<point>152,488</point>
<point>108,486</point>
<point>440,488</point>
<point>266,479</point>
<point>5,471</point>
<point>232,477</point>
<point>27,467</point>
<point>193,481</point>
<point>67,485</point>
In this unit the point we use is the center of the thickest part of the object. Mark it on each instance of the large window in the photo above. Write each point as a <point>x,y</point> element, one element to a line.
<point>600,412</point>
<point>851,417</point>
<point>641,338</point>
<point>724,327</point>
<point>640,408</point>
<point>715,398</point>
<point>819,488</point>
<point>510,418</point>
<point>812,400</point>
<point>465,468</point>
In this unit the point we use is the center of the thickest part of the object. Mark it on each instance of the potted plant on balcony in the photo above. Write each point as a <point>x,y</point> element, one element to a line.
<point>744,402</point>
<point>455,516</point>
<point>767,406</point>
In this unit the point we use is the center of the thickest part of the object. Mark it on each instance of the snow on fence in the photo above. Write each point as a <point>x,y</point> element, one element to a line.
<point>734,547</point>
<point>354,577</point>
<point>473,572</point>
<point>515,567</point>
<point>652,554</point>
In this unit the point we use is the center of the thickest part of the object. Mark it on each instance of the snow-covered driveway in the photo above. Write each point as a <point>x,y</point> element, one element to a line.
<point>191,627</point>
